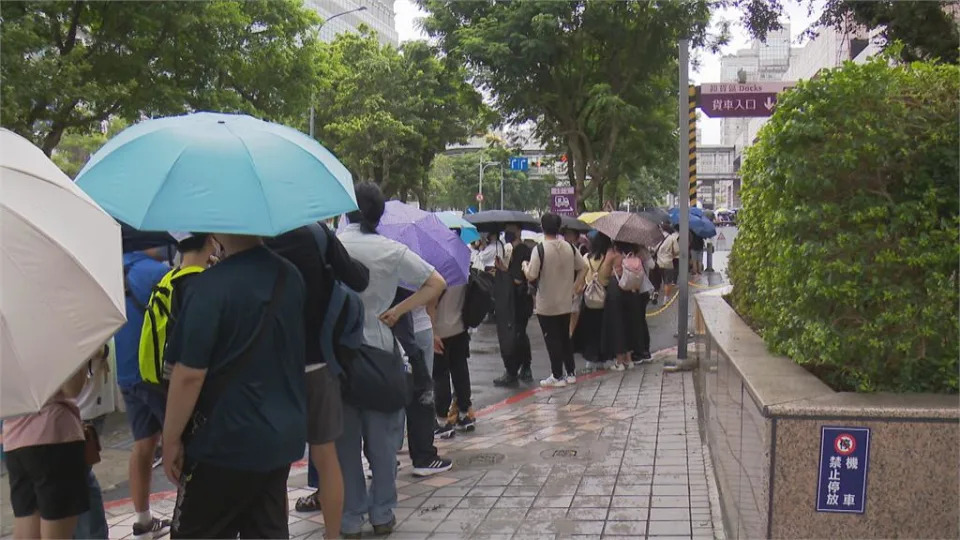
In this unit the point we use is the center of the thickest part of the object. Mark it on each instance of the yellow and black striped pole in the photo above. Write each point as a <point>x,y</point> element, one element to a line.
<point>692,126</point>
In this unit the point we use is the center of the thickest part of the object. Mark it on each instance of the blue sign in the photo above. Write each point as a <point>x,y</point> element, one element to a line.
<point>471,210</point>
<point>844,459</point>
<point>519,164</point>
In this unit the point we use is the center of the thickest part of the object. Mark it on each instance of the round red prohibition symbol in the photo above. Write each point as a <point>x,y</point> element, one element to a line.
<point>844,444</point>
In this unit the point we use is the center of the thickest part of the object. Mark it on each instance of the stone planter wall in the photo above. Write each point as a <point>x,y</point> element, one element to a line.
<point>762,415</point>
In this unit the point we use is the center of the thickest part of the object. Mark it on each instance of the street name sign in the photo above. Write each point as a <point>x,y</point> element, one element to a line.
<point>736,100</point>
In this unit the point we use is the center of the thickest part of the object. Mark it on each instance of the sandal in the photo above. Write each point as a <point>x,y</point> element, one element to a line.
<point>310,503</point>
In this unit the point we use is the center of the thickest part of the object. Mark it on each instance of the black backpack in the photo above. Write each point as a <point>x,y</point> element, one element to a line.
<point>479,298</point>
<point>342,328</point>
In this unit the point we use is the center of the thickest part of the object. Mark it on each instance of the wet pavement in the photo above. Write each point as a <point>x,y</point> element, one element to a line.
<point>616,455</point>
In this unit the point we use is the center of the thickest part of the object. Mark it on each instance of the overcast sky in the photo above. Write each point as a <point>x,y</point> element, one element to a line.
<point>709,70</point>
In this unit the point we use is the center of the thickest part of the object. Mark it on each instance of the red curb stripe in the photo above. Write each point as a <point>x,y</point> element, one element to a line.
<point>489,409</point>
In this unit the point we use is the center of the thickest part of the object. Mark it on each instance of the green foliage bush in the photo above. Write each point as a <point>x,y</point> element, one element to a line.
<point>848,250</point>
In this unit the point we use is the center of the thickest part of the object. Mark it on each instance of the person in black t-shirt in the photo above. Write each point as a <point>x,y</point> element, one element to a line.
<point>324,402</point>
<point>517,363</point>
<point>238,352</point>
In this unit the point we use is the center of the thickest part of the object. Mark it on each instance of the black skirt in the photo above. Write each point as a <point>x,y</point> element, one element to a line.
<point>622,318</point>
<point>587,338</point>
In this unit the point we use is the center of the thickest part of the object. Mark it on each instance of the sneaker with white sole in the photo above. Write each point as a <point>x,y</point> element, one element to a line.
<point>571,379</point>
<point>436,466</point>
<point>551,382</point>
<point>155,529</point>
<point>617,366</point>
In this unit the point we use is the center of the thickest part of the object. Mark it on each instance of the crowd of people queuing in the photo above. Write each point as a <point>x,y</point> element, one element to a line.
<point>241,380</point>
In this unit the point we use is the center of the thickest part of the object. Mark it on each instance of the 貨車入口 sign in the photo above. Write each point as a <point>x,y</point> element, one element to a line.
<point>844,459</point>
<point>738,100</point>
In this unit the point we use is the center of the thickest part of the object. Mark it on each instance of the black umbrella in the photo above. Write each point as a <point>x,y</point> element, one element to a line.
<point>573,224</point>
<point>137,240</point>
<point>496,220</point>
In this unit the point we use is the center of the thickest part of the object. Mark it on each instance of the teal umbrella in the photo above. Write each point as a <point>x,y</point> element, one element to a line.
<point>468,231</point>
<point>218,173</point>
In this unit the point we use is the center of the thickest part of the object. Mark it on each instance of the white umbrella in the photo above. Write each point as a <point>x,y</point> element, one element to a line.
<point>61,277</point>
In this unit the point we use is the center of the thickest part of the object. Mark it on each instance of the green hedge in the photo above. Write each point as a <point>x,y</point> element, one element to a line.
<point>847,255</point>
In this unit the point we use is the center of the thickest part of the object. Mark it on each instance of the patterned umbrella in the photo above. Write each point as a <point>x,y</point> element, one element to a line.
<point>629,228</point>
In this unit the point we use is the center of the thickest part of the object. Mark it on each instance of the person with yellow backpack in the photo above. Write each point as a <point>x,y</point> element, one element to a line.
<point>197,251</point>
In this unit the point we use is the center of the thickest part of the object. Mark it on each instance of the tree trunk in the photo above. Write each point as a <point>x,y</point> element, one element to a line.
<point>53,138</point>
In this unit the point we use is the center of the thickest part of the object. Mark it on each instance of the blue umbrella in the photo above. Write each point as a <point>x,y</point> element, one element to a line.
<point>468,231</point>
<point>700,226</point>
<point>211,172</point>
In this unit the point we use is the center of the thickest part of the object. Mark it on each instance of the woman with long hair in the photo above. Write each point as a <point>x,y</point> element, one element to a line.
<point>624,320</point>
<point>587,337</point>
<point>378,434</point>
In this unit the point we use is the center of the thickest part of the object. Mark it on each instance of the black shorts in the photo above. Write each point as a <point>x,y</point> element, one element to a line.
<point>217,502</point>
<point>324,407</point>
<point>50,479</point>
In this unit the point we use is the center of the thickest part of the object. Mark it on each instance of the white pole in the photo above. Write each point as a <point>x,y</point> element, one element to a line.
<point>480,202</point>
<point>501,186</point>
<point>683,188</point>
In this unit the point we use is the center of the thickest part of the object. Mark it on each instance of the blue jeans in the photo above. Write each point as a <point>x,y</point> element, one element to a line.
<point>376,434</point>
<point>93,523</point>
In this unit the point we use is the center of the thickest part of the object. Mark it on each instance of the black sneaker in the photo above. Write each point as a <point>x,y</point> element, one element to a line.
<point>385,529</point>
<point>467,423</point>
<point>154,529</point>
<point>436,466</point>
<point>446,431</point>
<point>506,380</point>
<point>526,374</point>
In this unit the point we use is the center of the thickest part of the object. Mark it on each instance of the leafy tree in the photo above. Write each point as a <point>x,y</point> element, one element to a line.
<point>75,148</point>
<point>846,259</point>
<point>454,180</point>
<point>598,78</point>
<point>388,113</point>
<point>70,65</point>
<point>927,28</point>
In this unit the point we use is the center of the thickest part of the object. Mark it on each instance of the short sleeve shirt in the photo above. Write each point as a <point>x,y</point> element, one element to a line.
<point>390,263</point>
<point>557,277</point>
<point>259,421</point>
<point>142,273</point>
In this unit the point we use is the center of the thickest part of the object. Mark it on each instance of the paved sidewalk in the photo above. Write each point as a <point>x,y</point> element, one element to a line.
<point>617,455</point>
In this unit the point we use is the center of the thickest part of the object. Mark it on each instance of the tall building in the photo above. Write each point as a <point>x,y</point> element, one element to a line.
<point>378,16</point>
<point>765,60</point>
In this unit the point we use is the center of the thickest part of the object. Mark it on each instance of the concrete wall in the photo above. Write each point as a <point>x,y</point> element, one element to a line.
<point>762,415</point>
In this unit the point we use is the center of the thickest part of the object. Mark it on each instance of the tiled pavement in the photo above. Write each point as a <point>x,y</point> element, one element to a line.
<point>617,455</point>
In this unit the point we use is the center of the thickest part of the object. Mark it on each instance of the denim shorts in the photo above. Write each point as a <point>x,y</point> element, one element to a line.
<point>145,409</point>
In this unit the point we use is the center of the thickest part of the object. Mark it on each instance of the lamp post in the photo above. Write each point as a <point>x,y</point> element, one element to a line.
<point>483,167</point>
<point>325,21</point>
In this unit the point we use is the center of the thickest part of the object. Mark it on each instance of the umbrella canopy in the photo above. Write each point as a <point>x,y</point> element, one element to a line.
<point>699,225</point>
<point>468,231</point>
<point>656,215</point>
<point>428,237</point>
<point>574,224</point>
<point>590,217</point>
<point>629,228</point>
<point>496,220</point>
<point>60,274</point>
<point>211,172</point>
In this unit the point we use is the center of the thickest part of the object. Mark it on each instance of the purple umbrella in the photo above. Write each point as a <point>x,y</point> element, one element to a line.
<point>428,237</point>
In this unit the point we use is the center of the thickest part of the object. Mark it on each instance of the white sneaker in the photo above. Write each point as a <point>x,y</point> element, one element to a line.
<point>617,366</point>
<point>571,379</point>
<point>551,382</point>
<point>592,366</point>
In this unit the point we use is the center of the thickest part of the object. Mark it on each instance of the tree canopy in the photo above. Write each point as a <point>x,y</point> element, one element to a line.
<point>387,113</point>
<point>73,64</point>
<point>598,78</point>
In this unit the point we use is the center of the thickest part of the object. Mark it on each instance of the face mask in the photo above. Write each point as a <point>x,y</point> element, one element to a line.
<point>509,236</point>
